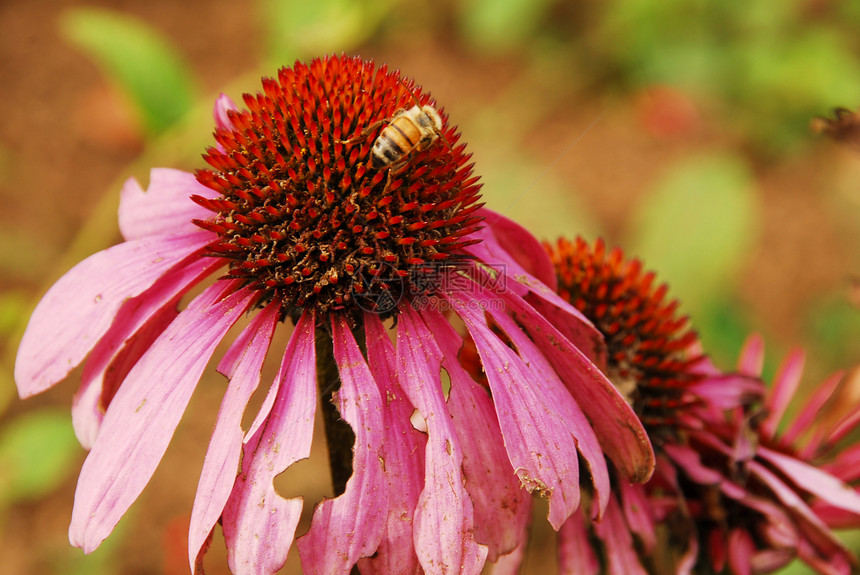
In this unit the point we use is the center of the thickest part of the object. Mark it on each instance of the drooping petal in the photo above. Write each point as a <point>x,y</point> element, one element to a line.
<point>621,554</point>
<point>502,508</point>
<point>350,526</point>
<point>259,524</point>
<point>784,387</point>
<point>575,553</point>
<point>404,448</point>
<point>443,521</point>
<point>619,430</point>
<point>144,413</point>
<point>138,323</point>
<point>77,311</point>
<point>242,364</point>
<point>164,208</point>
<point>538,433</point>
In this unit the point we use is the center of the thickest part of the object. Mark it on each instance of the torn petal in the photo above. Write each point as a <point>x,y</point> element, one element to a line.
<point>258,524</point>
<point>349,527</point>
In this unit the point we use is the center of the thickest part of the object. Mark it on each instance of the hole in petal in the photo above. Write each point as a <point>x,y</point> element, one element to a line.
<point>418,422</point>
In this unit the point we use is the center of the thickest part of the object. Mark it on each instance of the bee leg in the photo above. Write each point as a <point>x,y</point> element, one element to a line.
<point>363,134</point>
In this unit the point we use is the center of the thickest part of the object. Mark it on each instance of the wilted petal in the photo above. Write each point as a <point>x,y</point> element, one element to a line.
<point>78,310</point>
<point>144,413</point>
<point>350,526</point>
<point>242,364</point>
<point>575,553</point>
<point>165,207</point>
<point>259,524</point>
<point>404,448</point>
<point>502,508</point>
<point>138,323</point>
<point>443,520</point>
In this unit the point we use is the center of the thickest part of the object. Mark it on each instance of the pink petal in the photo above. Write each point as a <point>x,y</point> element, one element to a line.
<point>752,356</point>
<point>517,279</point>
<point>144,413</point>
<point>138,323</point>
<point>728,391</point>
<point>520,245</point>
<point>350,526</point>
<point>223,104</point>
<point>836,564</point>
<point>88,404</point>
<point>620,551</point>
<point>443,520</point>
<point>165,207</point>
<point>784,387</point>
<point>809,413</point>
<point>813,528</point>
<point>259,524</point>
<point>741,549</point>
<point>404,461</point>
<point>537,416</point>
<point>502,508</point>
<point>688,461</point>
<point>512,563</point>
<point>79,309</point>
<point>620,432</point>
<point>575,552</point>
<point>813,480</point>
<point>637,514</point>
<point>242,364</point>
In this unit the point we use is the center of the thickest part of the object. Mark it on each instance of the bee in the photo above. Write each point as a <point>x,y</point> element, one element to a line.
<point>407,131</point>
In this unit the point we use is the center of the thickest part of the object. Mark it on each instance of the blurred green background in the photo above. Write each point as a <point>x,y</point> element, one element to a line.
<point>677,129</point>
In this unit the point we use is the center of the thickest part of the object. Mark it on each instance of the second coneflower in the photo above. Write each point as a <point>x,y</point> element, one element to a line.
<point>729,492</point>
<point>300,224</point>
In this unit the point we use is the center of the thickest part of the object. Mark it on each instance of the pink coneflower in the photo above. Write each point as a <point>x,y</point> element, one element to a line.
<point>299,224</point>
<point>728,492</point>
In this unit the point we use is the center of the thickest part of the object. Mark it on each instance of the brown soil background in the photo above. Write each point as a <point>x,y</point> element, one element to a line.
<point>66,140</point>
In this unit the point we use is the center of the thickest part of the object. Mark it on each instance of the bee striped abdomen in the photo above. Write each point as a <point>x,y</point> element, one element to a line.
<point>397,139</point>
<point>407,131</point>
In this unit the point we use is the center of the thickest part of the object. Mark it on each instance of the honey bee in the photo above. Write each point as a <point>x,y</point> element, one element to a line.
<point>407,131</point>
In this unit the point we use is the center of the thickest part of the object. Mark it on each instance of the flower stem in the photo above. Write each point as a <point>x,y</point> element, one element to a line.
<point>338,433</point>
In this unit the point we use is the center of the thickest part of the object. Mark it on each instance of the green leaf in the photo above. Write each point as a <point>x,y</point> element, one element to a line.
<point>696,226</point>
<point>137,59</point>
<point>502,24</point>
<point>295,28</point>
<point>38,451</point>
